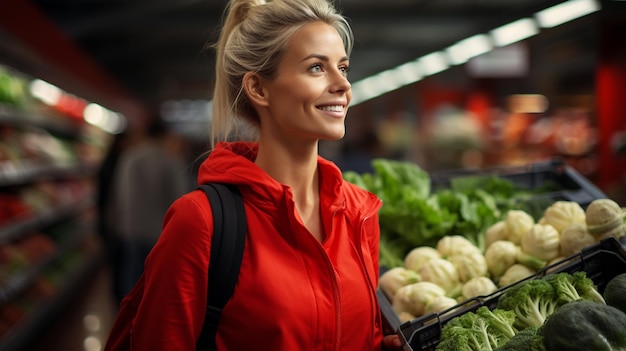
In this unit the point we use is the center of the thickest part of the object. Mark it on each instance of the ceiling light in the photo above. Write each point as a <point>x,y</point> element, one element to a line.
<point>514,32</point>
<point>465,49</point>
<point>46,92</point>
<point>433,63</point>
<point>565,12</point>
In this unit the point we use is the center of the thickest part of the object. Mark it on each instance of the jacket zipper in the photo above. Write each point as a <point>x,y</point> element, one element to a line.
<point>335,288</point>
<point>374,300</point>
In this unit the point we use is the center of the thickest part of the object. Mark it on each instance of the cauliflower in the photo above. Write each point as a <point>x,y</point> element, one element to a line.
<point>413,298</point>
<point>453,245</point>
<point>517,224</point>
<point>416,258</point>
<point>439,304</point>
<point>605,218</point>
<point>495,232</point>
<point>562,214</point>
<point>405,317</point>
<point>574,238</point>
<point>542,241</point>
<point>514,274</point>
<point>443,273</point>
<point>469,265</point>
<point>395,278</point>
<point>478,286</point>
<point>500,256</point>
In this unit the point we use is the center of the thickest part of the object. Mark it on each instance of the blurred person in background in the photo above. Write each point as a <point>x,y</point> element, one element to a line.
<point>310,265</point>
<point>150,175</point>
<point>104,206</point>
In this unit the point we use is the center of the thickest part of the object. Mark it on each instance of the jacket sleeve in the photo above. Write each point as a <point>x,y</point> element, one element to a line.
<point>172,310</point>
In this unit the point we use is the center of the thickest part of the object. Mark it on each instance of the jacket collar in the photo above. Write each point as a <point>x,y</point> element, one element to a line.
<point>233,163</point>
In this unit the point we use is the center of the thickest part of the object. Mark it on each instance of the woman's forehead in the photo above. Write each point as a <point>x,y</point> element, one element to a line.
<point>316,38</point>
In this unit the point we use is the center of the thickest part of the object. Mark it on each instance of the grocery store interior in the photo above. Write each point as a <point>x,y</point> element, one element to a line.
<point>456,87</point>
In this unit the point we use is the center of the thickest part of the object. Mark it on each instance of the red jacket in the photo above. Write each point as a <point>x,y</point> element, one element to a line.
<point>293,293</point>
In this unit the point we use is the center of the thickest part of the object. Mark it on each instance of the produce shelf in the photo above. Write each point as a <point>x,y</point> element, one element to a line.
<point>560,181</point>
<point>601,262</point>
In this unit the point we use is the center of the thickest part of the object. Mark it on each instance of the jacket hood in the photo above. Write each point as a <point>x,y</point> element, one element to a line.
<point>233,163</point>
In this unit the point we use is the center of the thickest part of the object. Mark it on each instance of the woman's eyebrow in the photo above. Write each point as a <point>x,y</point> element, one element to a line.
<point>323,57</point>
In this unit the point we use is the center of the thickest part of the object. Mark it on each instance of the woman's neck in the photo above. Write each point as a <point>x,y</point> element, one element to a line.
<point>296,168</point>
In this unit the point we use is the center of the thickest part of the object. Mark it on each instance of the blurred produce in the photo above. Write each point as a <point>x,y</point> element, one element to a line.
<point>414,213</point>
<point>462,271</point>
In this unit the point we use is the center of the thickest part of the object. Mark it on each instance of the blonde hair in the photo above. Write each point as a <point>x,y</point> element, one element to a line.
<point>253,39</point>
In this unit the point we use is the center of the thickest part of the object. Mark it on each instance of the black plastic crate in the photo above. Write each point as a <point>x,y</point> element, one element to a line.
<point>562,182</point>
<point>601,262</point>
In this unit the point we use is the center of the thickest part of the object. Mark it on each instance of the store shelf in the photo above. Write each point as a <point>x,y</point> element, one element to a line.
<point>20,281</point>
<point>12,174</point>
<point>10,115</point>
<point>45,311</point>
<point>44,219</point>
<point>48,160</point>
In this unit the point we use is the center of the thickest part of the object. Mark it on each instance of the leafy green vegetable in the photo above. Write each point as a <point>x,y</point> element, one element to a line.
<point>418,211</point>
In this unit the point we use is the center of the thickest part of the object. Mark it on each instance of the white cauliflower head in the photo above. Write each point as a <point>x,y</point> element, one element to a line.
<point>452,245</point>
<point>478,286</point>
<point>514,274</point>
<point>542,241</point>
<point>413,298</point>
<point>395,278</point>
<point>440,304</point>
<point>517,223</point>
<point>495,232</point>
<point>562,214</point>
<point>469,265</point>
<point>574,238</point>
<point>500,256</point>
<point>443,273</point>
<point>416,258</point>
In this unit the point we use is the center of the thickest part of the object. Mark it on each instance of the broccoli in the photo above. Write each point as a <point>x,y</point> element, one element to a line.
<point>499,320</point>
<point>532,301</point>
<point>586,288</point>
<point>573,287</point>
<point>563,287</point>
<point>529,339</point>
<point>483,330</point>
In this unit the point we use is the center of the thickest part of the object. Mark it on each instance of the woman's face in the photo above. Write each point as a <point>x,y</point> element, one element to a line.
<point>309,97</point>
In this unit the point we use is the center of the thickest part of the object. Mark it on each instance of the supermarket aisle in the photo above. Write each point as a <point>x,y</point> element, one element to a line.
<point>86,322</point>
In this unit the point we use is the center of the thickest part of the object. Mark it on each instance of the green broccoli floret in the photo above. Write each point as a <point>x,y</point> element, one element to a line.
<point>499,320</point>
<point>528,339</point>
<point>483,330</point>
<point>586,287</point>
<point>572,287</point>
<point>563,287</point>
<point>532,301</point>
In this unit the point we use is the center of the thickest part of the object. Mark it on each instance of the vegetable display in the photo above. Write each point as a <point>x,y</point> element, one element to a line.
<point>445,246</point>
<point>454,261</point>
<point>414,214</point>
<point>560,311</point>
<point>482,209</point>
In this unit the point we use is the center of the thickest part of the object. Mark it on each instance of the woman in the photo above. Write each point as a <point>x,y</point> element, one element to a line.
<point>310,267</point>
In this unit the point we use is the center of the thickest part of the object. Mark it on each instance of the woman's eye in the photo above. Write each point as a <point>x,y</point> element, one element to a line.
<point>316,68</point>
<point>344,70</point>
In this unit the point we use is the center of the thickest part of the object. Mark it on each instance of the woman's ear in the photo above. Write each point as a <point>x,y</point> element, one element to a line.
<point>254,89</point>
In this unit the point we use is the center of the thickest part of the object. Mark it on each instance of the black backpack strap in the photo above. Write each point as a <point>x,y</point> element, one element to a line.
<point>229,235</point>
